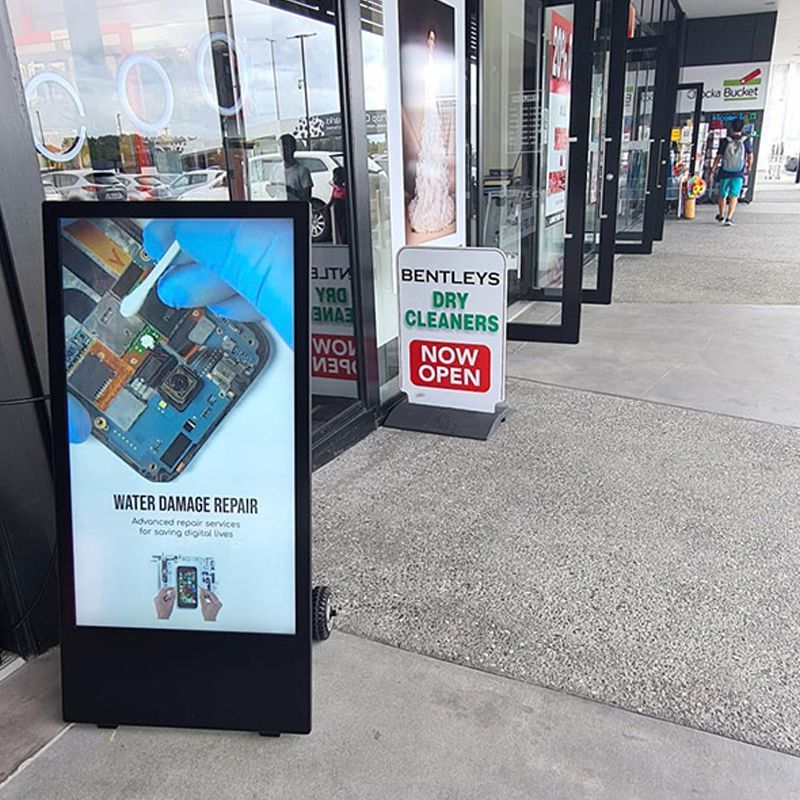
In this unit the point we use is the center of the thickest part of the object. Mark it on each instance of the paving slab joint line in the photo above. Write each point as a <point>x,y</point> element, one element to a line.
<point>621,301</point>
<point>30,759</point>
<point>11,667</point>
<point>564,692</point>
<point>652,402</point>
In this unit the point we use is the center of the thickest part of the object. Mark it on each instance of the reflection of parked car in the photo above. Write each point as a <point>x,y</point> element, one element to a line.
<point>193,180</point>
<point>143,187</point>
<point>266,183</point>
<point>216,190</point>
<point>87,184</point>
<point>50,192</point>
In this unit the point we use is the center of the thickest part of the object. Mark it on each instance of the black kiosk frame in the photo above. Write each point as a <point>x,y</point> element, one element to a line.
<point>184,678</point>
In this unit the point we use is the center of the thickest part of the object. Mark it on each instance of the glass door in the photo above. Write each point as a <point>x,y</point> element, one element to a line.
<point>684,162</point>
<point>685,135</point>
<point>643,156</point>
<point>637,146</point>
<point>610,59</point>
<point>598,139</point>
<point>534,99</point>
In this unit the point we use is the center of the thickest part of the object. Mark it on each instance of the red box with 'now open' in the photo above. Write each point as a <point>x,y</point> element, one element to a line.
<point>450,365</point>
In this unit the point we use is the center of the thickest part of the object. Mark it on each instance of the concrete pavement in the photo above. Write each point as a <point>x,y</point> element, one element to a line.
<point>393,725</point>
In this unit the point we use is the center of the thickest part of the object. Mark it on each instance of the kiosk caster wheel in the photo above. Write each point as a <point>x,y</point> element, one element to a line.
<point>322,613</point>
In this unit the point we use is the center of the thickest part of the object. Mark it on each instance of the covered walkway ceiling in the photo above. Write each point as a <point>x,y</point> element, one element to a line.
<point>787,32</point>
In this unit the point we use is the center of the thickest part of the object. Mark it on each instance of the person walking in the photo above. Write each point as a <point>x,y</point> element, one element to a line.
<point>291,175</point>
<point>734,159</point>
<point>338,204</point>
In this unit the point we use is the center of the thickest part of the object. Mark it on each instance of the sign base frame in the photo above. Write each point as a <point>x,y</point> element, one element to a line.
<point>445,421</point>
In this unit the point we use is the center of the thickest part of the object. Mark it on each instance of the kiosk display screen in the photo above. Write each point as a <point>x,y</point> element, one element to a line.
<point>179,367</point>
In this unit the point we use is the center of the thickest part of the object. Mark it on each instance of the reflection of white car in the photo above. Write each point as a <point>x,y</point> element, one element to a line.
<point>266,183</point>
<point>214,190</point>
<point>86,184</point>
<point>196,179</point>
<point>50,191</point>
<point>143,187</point>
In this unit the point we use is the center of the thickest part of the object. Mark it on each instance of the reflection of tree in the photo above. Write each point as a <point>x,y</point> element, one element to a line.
<point>104,152</point>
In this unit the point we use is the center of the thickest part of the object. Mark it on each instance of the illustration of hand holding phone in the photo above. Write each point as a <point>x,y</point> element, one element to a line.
<point>187,596</point>
<point>187,587</point>
<point>210,605</point>
<point>165,602</point>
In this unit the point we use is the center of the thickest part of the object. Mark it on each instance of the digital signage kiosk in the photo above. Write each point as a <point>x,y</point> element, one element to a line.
<point>178,341</point>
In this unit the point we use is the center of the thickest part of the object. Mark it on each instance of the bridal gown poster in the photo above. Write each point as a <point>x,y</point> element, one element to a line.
<point>425,116</point>
<point>558,111</point>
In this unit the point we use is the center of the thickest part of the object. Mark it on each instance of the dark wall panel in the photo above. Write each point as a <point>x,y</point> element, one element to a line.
<point>28,598</point>
<point>729,40</point>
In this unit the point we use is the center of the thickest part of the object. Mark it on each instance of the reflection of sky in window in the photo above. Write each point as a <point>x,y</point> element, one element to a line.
<point>170,32</point>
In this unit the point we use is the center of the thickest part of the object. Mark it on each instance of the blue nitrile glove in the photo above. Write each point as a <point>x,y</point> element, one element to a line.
<point>241,269</point>
<point>79,423</point>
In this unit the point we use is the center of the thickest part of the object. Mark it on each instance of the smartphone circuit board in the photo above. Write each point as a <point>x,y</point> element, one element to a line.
<point>155,385</point>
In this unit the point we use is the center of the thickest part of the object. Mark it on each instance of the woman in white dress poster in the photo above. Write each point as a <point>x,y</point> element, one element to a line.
<point>432,209</point>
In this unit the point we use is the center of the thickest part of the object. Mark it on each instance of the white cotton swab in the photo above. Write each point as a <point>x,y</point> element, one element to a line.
<point>132,304</point>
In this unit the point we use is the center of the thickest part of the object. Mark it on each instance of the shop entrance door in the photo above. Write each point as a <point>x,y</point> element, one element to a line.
<point>688,111</point>
<point>644,152</point>
<point>610,68</point>
<point>532,157</point>
<point>684,159</point>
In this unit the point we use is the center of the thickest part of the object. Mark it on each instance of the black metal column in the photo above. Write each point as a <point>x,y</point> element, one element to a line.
<point>354,132</point>
<point>615,107</point>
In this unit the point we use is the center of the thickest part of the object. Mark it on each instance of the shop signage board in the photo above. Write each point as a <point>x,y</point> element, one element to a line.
<point>560,84</point>
<point>424,42</point>
<point>452,304</point>
<point>333,339</point>
<point>727,87</point>
<point>179,353</point>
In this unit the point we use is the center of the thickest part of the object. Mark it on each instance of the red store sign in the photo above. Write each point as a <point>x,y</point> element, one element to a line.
<point>450,365</point>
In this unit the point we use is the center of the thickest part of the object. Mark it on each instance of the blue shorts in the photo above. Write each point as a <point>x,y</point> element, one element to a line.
<point>730,187</point>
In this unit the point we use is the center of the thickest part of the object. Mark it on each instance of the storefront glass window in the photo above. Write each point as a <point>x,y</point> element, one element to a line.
<point>375,83</point>
<point>202,100</point>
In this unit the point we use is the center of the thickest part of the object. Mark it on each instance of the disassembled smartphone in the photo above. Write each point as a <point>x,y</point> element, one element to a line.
<point>156,385</point>
<point>175,570</point>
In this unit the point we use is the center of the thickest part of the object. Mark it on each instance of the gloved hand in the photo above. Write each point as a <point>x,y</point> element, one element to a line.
<point>79,423</point>
<point>240,269</point>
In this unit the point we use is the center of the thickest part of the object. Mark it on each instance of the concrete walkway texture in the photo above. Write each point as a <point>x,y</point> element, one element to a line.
<point>634,553</point>
<point>754,262</point>
<point>599,602</point>
<point>393,725</point>
<point>636,543</point>
<point>30,711</point>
